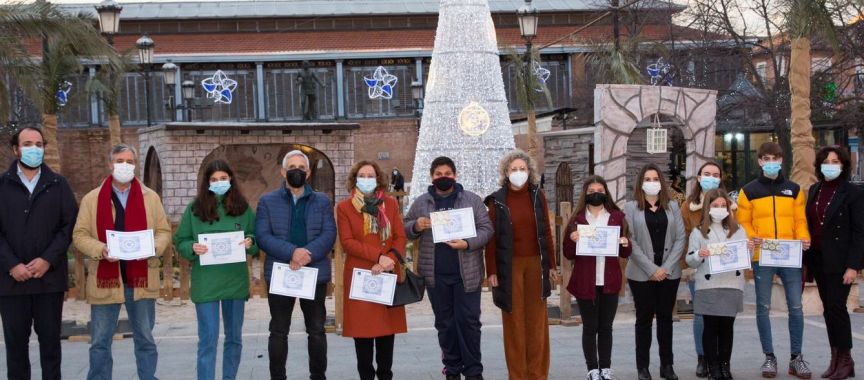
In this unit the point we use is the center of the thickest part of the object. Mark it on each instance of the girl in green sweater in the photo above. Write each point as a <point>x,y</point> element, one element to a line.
<point>219,207</point>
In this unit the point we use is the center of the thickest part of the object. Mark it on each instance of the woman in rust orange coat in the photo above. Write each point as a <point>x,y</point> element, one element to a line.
<point>371,231</point>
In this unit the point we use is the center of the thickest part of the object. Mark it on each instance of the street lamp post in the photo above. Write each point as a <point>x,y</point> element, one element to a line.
<point>417,95</point>
<point>188,88</point>
<point>145,47</point>
<point>109,19</point>
<point>169,72</point>
<point>528,18</point>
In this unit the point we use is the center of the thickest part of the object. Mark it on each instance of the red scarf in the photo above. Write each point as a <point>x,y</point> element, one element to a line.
<point>108,273</point>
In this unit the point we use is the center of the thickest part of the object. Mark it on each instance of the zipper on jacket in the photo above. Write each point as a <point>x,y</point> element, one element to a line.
<point>539,246</point>
<point>774,207</point>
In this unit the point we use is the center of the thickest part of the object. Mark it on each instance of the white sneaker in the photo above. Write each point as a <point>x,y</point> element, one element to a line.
<point>606,374</point>
<point>594,374</point>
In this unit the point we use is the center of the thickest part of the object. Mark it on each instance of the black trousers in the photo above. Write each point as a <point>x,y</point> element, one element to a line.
<point>381,348</point>
<point>717,338</point>
<point>834,294</point>
<point>597,317</point>
<point>654,299</point>
<point>314,315</point>
<point>42,313</point>
<point>457,319</point>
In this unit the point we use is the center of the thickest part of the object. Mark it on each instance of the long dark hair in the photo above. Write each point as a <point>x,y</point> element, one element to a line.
<point>609,205</point>
<point>696,193</point>
<point>204,206</point>
<point>639,194</point>
<point>842,155</point>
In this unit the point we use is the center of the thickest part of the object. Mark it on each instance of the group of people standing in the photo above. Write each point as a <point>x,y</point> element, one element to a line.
<point>513,252</point>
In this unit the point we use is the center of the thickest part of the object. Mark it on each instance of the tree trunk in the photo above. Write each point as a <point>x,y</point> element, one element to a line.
<point>115,135</point>
<point>802,141</point>
<point>532,134</point>
<point>52,149</point>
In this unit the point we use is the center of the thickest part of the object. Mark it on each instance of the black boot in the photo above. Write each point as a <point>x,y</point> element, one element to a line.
<point>715,371</point>
<point>453,377</point>
<point>701,367</point>
<point>667,372</point>
<point>644,374</point>
<point>727,373</point>
<point>478,377</point>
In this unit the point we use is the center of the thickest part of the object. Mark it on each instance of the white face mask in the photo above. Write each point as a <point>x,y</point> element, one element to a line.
<point>123,172</point>
<point>518,179</point>
<point>651,188</point>
<point>718,214</point>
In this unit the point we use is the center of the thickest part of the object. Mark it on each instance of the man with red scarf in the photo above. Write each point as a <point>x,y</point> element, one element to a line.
<point>121,203</point>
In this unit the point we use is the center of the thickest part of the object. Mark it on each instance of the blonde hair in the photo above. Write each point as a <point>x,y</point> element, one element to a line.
<point>513,155</point>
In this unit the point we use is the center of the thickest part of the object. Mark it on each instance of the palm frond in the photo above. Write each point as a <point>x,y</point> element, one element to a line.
<point>616,65</point>
<point>527,83</point>
<point>807,18</point>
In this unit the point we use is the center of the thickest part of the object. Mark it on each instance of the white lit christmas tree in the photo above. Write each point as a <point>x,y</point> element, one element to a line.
<point>465,116</point>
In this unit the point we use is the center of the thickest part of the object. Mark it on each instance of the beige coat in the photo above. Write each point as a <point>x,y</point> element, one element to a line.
<point>86,240</point>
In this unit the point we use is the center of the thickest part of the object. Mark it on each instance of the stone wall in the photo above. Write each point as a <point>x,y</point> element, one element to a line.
<point>396,138</point>
<point>571,147</point>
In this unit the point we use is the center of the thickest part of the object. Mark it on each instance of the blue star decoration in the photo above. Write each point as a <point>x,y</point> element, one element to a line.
<point>542,75</point>
<point>219,87</point>
<point>62,94</point>
<point>658,71</point>
<point>381,84</point>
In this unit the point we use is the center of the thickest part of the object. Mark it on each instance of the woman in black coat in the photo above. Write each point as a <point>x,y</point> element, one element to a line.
<point>835,216</point>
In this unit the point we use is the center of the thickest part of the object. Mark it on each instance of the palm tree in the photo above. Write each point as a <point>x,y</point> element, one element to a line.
<point>528,88</point>
<point>805,18</point>
<point>108,85</point>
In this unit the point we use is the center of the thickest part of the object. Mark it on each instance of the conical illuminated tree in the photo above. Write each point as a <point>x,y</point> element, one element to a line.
<point>466,116</point>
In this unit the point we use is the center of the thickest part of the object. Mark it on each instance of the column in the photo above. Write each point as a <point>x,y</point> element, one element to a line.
<point>261,100</point>
<point>94,100</point>
<point>340,90</point>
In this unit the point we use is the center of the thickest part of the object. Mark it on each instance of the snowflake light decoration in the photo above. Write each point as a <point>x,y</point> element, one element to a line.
<point>62,94</point>
<point>219,87</point>
<point>658,71</point>
<point>381,84</point>
<point>542,75</point>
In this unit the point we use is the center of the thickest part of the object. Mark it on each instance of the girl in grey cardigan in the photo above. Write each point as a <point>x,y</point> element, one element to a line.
<point>719,297</point>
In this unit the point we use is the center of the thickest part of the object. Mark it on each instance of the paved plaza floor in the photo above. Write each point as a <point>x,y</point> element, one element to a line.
<point>417,356</point>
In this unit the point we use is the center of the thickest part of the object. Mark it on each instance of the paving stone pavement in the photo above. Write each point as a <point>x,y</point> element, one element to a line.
<point>417,356</point>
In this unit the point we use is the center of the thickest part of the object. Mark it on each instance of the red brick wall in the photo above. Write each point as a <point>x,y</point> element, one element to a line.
<point>396,136</point>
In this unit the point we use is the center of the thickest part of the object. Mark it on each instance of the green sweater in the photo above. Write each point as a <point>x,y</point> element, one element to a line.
<point>216,282</point>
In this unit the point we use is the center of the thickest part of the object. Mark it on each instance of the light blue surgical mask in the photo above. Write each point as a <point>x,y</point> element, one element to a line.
<point>709,183</point>
<point>831,171</point>
<point>367,185</point>
<point>771,168</point>
<point>220,187</point>
<point>32,156</point>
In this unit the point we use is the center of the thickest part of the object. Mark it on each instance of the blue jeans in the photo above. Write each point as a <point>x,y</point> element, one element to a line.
<point>142,317</point>
<point>791,278</point>
<point>208,337</point>
<point>698,322</point>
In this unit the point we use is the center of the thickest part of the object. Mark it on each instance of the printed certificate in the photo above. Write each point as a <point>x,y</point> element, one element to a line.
<point>223,248</point>
<point>372,288</point>
<point>453,225</point>
<point>597,240</point>
<point>781,253</point>
<point>130,245</point>
<point>293,283</point>
<point>728,257</point>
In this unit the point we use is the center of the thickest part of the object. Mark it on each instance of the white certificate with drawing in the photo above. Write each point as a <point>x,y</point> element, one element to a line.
<point>598,240</point>
<point>453,224</point>
<point>729,256</point>
<point>223,248</point>
<point>293,283</point>
<point>378,288</point>
<point>130,245</point>
<point>781,253</point>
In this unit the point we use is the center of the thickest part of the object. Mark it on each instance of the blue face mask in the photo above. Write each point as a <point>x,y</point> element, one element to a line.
<point>32,156</point>
<point>220,187</point>
<point>709,183</point>
<point>367,185</point>
<point>771,168</point>
<point>831,171</point>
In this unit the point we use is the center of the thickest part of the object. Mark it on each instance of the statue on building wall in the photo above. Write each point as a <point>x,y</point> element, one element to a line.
<point>309,83</point>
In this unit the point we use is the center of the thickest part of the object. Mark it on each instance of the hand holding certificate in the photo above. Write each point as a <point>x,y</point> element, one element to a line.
<point>293,283</point>
<point>781,253</point>
<point>453,225</point>
<point>378,288</point>
<point>598,240</point>
<point>223,248</point>
<point>130,245</point>
<point>728,256</point>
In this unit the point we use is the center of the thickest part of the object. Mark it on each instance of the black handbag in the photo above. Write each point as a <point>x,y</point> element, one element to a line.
<point>412,289</point>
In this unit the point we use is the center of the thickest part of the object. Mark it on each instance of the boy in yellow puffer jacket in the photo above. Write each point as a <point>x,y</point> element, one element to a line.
<point>772,207</point>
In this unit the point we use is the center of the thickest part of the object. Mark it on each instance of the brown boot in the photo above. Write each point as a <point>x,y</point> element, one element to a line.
<point>831,367</point>
<point>845,366</point>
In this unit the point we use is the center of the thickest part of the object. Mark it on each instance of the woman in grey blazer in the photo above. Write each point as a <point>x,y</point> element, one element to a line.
<point>654,270</point>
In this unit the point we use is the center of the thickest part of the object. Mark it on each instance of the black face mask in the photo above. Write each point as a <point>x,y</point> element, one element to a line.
<point>444,183</point>
<point>296,178</point>
<point>595,199</point>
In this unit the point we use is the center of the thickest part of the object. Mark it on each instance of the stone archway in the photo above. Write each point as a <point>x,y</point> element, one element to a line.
<point>153,171</point>
<point>618,109</point>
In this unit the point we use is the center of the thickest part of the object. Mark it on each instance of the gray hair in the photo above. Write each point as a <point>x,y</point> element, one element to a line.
<point>513,155</point>
<point>120,148</point>
<point>295,153</point>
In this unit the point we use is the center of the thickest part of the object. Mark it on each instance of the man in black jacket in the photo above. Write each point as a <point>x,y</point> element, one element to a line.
<point>37,213</point>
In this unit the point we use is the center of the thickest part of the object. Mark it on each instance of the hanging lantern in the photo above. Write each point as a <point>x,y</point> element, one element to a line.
<point>657,137</point>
